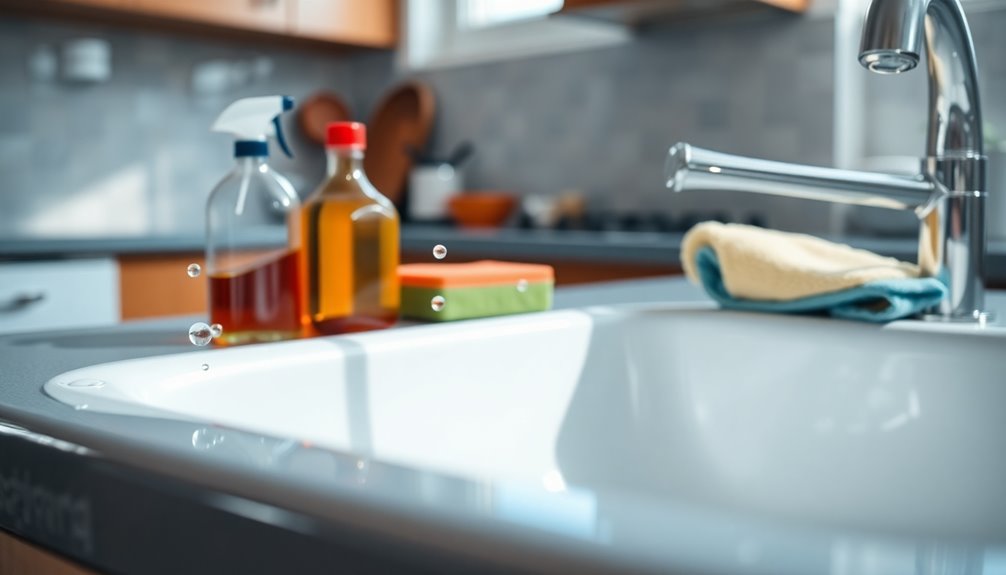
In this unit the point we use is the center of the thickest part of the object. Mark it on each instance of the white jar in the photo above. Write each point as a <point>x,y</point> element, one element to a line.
<point>430,188</point>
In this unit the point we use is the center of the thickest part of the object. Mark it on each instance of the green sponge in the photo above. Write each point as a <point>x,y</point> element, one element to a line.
<point>447,292</point>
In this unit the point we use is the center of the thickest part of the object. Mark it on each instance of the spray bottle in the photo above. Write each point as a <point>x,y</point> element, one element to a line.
<point>252,235</point>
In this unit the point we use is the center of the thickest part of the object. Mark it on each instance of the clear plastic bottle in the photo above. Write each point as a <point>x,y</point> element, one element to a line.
<point>256,293</point>
<point>350,239</point>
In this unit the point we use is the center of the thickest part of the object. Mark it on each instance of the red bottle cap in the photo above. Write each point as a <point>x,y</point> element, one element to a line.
<point>347,135</point>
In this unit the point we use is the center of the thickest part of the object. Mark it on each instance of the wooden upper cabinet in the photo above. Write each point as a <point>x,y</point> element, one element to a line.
<point>101,3</point>
<point>368,23</point>
<point>266,15</point>
<point>360,22</point>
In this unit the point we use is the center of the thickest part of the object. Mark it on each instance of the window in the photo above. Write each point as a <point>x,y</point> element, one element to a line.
<point>442,33</point>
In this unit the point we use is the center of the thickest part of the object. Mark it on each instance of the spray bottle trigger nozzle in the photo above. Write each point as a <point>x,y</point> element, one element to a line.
<point>280,139</point>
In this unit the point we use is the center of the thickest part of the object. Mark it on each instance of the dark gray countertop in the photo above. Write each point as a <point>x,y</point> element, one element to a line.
<point>654,248</point>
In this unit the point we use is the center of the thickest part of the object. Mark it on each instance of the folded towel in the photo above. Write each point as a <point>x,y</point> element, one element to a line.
<point>750,268</point>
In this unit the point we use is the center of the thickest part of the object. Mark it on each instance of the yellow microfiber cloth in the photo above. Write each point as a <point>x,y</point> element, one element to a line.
<point>746,267</point>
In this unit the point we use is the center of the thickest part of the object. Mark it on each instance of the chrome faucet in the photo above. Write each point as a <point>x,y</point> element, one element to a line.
<point>948,195</point>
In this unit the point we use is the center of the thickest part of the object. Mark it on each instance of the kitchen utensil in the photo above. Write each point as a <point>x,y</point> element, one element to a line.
<point>419,156</point>
<point>461,153</point>
<point>481,209</point>
<point>320,109</point>
<point>403,119</point>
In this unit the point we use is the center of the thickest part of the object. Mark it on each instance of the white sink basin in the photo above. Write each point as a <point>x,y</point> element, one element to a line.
<point>898,428</point>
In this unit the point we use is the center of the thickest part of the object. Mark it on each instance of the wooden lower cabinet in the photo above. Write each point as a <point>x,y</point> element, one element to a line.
<point>571,272</point>
<point>20,558</point>
<point>158,285</point>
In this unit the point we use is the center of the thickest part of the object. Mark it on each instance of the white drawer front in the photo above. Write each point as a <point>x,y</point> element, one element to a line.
<point>58,294</point>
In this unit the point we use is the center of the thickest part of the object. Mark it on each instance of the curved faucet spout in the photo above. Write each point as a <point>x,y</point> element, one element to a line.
<point>892,42</point>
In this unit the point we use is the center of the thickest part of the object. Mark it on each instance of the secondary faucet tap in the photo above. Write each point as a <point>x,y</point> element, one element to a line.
<point>948,195</point>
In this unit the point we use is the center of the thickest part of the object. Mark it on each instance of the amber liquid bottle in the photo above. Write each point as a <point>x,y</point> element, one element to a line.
<point>254,293</point>
<point>350,243</point>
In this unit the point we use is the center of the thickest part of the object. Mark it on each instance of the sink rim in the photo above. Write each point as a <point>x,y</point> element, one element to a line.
<point>59,388</point>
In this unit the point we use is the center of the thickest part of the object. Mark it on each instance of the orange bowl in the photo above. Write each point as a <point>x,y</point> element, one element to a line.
<point>481,209</point>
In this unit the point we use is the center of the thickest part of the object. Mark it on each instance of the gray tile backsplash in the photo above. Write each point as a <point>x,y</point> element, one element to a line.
<point>601,121</point>
<point>134,155</point>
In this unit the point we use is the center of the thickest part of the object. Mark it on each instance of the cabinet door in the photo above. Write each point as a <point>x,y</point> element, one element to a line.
<point>360,22</point>
<point>269,15</point>
<point>101,3</point>
<point>158,285</point>
<point>18,558</point>
<point>58,294</point>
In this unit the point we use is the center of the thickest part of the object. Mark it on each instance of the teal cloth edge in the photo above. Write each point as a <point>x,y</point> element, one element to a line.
<point>905,297</point>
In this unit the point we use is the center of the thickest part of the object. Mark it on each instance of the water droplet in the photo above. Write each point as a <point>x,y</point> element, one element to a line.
<point>362,470</point>
<point>194,270</point>
<point>438,302</point>
<point>522,285</point>
<point>204,438</point>
<point>85,383</point>
<point>200,334</point>
<point>80,406</point>
<point>439,251</point>
<point>206,367</point>
<point>216,330</point>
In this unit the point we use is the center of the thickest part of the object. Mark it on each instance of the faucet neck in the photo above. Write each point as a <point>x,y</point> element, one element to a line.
<point>955,119</point>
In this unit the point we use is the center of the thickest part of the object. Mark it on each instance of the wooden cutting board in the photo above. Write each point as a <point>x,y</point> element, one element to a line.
<point>403,119</point>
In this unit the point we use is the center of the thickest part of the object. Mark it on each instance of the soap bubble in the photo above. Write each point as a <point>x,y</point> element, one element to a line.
<point>200,334</point>
<point>438,302</point>
<point>194,270</point>
<point>206,367</point>
<point>522,285</point>
<point>439,251</point>
<point>216,330</point>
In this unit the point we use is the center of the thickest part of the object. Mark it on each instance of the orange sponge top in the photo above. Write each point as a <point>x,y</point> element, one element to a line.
<point>481,273</point>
